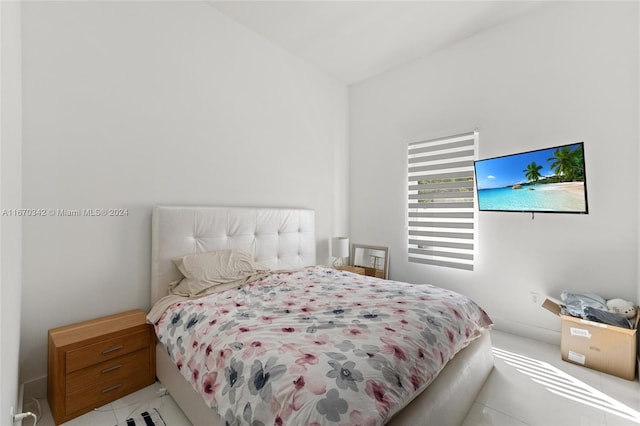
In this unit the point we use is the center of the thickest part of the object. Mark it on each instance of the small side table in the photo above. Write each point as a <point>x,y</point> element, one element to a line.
<point>94,362</point>
<point>354,269</point>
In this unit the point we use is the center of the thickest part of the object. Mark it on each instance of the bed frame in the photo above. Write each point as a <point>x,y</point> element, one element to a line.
<point>285,239</point>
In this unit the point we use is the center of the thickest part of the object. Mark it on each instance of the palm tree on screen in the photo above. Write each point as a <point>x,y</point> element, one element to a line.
<point>563,162</point>
<point>577,155</point>
<point>532,172</point>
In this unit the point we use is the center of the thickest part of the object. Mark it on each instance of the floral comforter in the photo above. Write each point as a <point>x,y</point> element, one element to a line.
<point>317,346</point>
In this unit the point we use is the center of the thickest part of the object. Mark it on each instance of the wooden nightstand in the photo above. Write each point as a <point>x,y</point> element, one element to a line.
<point>95,362</point>
<point>373,272</point>
<point>362,270</point>
<point>354,269</point>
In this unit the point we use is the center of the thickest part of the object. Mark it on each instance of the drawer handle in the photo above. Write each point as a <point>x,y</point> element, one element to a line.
<point>115,367</point>
<point>115,348</point>
<point>110,388</point>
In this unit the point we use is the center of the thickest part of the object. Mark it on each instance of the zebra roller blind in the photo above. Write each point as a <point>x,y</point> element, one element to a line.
<point>442,201</point>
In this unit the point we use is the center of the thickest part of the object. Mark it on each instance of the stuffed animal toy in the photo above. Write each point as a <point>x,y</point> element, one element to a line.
<point>622,307</point>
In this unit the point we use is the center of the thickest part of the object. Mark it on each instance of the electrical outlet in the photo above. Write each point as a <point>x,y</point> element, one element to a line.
<point>535,297</point>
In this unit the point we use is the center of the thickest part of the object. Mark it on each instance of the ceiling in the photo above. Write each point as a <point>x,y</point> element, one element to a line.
<point>354,40</point>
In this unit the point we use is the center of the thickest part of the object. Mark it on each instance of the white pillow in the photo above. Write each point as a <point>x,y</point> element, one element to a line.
<point>225,268</point>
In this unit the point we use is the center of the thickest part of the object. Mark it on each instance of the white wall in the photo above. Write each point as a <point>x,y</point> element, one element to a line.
<point>566,73</point>
<point>131,104</point>
<point>10,198</point>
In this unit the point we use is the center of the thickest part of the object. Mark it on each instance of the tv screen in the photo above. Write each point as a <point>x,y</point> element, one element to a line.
<point>548,180</point>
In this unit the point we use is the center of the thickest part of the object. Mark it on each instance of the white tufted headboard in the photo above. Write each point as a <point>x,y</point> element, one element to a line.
<point>277,238</point>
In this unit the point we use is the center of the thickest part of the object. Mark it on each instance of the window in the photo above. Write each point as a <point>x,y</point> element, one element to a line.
<point>442,201</point>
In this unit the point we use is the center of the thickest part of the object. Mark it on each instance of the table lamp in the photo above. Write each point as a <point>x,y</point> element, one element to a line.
<point>339,250</point>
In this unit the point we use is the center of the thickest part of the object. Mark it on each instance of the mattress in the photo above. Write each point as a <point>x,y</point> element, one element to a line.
<point>317,346</point>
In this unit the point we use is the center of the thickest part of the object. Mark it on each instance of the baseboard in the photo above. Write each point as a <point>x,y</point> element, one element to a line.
<point>29,394</point>
<point>20,408</point>
<point>526,330</point>
<point>36,388</point>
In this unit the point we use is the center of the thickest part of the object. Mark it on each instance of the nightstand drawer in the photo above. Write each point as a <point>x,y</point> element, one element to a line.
<point>97,395</point>
<point>117,369</point>
<point>108,349</point>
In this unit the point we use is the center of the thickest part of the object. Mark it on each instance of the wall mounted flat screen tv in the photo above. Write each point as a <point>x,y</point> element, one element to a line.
<point>551,180</point>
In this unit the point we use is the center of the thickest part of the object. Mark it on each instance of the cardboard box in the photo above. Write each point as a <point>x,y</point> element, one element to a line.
<point>602,347</point>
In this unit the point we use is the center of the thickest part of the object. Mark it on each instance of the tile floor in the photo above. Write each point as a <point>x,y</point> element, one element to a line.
<point>530,385</point>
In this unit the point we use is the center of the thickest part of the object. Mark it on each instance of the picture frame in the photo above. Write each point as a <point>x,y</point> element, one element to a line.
<point>374,259</point>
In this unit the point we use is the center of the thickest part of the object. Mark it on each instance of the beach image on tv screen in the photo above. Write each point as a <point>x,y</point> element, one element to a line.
<point>546,180</point>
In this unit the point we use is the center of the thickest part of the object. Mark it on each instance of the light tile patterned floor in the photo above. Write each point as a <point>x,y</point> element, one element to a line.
<point>530,385</point>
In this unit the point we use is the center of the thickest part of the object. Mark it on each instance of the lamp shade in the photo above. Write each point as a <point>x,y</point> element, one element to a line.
<point>340,247</point>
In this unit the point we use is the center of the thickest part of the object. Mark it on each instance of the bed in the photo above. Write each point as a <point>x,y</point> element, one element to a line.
<point>321,366</point>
